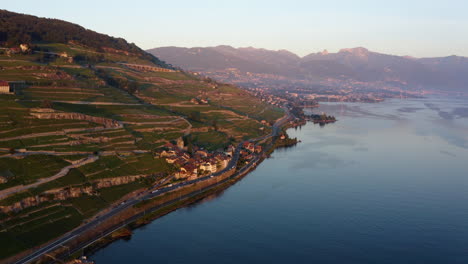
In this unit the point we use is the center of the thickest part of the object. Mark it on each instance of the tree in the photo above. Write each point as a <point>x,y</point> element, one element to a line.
<point>190,148</point>
<point>195,116</point>
<point>132,87</point>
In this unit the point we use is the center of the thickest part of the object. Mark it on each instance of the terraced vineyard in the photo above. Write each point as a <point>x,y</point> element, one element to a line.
<point>79,132</point>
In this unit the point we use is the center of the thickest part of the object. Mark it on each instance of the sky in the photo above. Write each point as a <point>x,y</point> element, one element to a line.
<point>411,27</point>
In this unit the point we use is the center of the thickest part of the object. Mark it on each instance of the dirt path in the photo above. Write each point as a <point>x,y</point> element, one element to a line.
<point>61,173</point>
<point>184,105</point>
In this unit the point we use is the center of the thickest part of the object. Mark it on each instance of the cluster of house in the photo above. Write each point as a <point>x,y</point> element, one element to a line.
<point>197,100</point>
<point>22,48</point>
<point>200,162</point>
<point>248,151</point>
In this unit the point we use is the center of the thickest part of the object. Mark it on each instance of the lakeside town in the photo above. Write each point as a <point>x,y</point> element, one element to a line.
<point>101,152</point>
<point>277,89</point>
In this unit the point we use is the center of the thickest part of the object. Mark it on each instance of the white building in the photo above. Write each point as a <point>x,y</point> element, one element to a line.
<point>5,87</point>
<point>208,167</point>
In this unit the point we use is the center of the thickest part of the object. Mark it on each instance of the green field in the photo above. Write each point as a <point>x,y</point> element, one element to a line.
<point>147,109</point>
<point>31,229</point>
<point>30,168</point>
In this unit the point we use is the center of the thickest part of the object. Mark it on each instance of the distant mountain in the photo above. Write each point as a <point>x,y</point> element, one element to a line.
<point>364,65</point>
<point>226,57</point>
<point>453,69</point>
<point>357,64</point>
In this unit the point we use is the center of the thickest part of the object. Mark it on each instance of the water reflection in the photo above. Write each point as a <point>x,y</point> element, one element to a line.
<point>448,153</point>
<point>450,122</point>
<point>409,109</point>
<point>316,159</point>
<point>206,199</point>
<point>385,184</point>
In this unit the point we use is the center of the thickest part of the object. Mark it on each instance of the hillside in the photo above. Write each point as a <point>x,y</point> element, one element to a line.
<point>19,29</point>
<point>86,115</point>
<point>275,68</point>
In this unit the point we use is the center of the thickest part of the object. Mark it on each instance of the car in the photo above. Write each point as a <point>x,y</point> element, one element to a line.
<point>155,191</point>
<point>211,176</point>
<point>170,185</point>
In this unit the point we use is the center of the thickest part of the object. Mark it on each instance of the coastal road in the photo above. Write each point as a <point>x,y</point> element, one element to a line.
<point>114,211</point>
<point>151,194</point>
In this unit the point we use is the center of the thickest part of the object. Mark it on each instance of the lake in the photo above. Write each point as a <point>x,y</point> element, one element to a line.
<point>387,183</point>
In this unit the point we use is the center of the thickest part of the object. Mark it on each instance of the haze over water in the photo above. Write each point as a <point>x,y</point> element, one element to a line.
<point>387,183</point>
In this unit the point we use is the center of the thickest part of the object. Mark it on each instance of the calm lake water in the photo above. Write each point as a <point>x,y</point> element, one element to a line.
<point>387,183</point>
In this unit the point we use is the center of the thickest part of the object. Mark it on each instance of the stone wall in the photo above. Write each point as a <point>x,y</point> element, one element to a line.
<point>61,194</point>
<point>52,114</point>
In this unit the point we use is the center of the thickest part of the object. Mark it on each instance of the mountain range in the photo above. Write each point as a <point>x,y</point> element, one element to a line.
<point>358,64</point>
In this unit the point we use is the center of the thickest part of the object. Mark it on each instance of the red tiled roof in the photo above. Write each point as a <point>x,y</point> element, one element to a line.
<point>3,83</point>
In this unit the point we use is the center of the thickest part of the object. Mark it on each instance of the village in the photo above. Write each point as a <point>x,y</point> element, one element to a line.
<point>197,162</point>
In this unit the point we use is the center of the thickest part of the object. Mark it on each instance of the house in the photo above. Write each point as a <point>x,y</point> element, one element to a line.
<point>203,153</point>
<point>171,160</point>
<point>169,145</point>
<point>190,169</point>
<point>180,143</point>
<point>258,149</point>
<point>24,47</point>
<point>182,173</point>
<point>244,153</point>
<point>179,161</point>
<point>249,157</point>
<point>222,160</point>
<point>5,88</point>
<point>3,180</point>
<point>249,146</point>
<point>165,153</point>
<point>208,166</point>
<point>13,50</point>
<point>230,151</point>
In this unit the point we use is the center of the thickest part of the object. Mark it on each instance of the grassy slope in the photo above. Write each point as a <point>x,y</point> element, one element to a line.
<point>153,116</point>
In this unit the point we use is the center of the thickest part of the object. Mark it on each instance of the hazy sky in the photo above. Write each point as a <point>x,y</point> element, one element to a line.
<point>419,28</point>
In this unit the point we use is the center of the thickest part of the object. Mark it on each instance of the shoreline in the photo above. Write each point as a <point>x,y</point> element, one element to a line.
<point>157,212</point>
<point>62,247</point>
<point>162,211</point>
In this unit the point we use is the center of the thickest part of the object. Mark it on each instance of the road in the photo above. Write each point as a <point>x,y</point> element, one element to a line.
<point>151,194</point>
